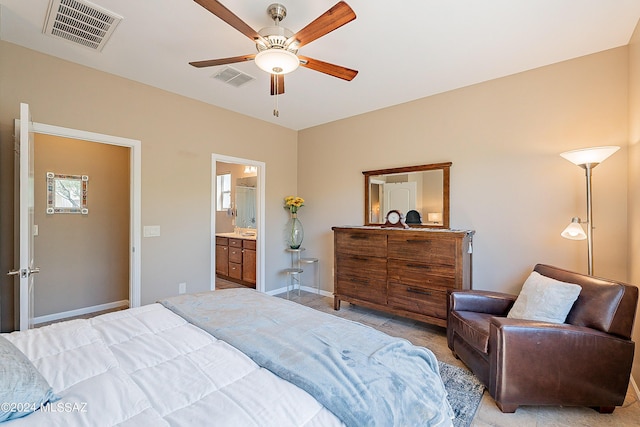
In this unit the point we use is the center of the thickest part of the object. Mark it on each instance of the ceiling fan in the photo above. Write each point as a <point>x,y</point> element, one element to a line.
<point>278,46</point>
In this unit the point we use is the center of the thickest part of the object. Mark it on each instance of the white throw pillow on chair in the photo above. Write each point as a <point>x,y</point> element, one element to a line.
<point>544,299</point>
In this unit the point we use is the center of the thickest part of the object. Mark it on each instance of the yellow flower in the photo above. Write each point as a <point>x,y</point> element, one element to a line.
<point>293,203</point>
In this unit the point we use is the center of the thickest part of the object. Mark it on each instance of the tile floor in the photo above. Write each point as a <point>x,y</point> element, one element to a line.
<point>434,338</point>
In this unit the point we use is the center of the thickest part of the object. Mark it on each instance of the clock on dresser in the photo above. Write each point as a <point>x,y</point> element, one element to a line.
<point>394,218</point>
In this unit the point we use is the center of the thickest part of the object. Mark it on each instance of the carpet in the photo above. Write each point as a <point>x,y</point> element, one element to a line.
<point>465,392</point>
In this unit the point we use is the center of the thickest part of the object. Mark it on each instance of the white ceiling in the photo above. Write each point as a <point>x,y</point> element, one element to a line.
<point>403,50</point>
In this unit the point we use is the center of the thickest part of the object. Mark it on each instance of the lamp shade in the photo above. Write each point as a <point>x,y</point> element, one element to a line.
<point>277,61</point>
<point>434,216</point>
<point>574,231</point>
<point>589,155</point>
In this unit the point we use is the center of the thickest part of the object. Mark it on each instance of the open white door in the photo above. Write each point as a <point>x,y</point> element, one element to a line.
<point>400,196</point>
<point>24,253</point>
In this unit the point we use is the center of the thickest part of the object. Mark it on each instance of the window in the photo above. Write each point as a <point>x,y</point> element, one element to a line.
<point>223,192</point>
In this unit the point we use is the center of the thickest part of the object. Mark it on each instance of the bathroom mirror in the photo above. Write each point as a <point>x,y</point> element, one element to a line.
<point>420,193</point>
<point>245,206</point>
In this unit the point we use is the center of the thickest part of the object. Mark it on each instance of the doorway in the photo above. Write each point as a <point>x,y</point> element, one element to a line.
<point>237,212</point>
<point>134,196</point>
<point>81,214</point>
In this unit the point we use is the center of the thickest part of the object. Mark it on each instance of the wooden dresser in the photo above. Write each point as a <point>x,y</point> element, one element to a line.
<point>402,271</point>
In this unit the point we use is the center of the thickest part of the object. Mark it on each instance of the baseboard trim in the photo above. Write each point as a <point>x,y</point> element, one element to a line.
<point>634,384</point>
<point>80,311</point>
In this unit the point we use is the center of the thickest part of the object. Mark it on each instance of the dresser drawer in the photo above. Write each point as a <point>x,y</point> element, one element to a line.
<point>362,266</point>
<point>430,302</point>
<point>235,270</point>
<point>361,243</point>
<point>249,244</point>
<point>235,255</point>
<point>422,249</point>
<point>235,243</point>
<point>413,273</point>
<point>357,287</point>
<point>222,241</point>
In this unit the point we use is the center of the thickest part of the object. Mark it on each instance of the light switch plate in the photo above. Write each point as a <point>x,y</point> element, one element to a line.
<point>151,231</point>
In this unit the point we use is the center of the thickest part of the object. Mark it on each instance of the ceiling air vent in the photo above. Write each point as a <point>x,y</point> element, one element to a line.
<point>233,77</point>
<point>81,22</point>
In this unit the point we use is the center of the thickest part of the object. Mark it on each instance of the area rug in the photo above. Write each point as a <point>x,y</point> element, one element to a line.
<point>465,392</point>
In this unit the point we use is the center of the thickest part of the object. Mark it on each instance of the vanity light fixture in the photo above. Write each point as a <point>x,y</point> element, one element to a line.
<point>250,170</point>
<point>586,158</point>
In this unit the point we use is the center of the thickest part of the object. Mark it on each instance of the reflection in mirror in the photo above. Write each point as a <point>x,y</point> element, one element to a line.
<point>237,196</point>
<point>421,193</point>
<point>245,206</point>
<point>66,193</point>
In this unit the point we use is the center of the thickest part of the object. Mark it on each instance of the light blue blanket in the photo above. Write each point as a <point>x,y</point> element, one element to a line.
<point>365,377</point>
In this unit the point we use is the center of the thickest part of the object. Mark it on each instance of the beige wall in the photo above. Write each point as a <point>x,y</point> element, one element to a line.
<point>508,181</point>
<point>84,259</point>
<point>178,137</point>
<point>634,178</point>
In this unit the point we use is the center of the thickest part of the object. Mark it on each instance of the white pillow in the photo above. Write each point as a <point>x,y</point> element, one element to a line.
<point>23,389</point>
<point>545,299</point>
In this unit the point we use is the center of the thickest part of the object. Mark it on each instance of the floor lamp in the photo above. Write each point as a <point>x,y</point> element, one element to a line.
<point>586,158</point>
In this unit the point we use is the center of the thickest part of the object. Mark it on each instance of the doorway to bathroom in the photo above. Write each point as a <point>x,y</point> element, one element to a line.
<point>237,221</point>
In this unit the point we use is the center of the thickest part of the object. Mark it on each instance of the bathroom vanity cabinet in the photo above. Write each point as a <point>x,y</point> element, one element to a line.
<point>236,259</point>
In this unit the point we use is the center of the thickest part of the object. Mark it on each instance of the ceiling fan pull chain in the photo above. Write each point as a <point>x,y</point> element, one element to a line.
<point>276,113</point>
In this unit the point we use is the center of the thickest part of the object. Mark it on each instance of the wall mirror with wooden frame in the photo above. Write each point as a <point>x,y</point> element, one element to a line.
<point>420,193</point>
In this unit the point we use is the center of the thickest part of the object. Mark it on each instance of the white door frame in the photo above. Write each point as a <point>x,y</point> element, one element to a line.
<point>260,217</point>
<point>135,191</point>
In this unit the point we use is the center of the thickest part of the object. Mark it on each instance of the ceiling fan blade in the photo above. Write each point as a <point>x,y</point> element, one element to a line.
<point>333,18</point>
<point>327,68</point>
<point>222,61</point>
<point>277,84</point>
<point>229,17</point>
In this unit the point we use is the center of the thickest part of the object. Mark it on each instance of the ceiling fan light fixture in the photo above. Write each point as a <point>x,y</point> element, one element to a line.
<point>277,61</point>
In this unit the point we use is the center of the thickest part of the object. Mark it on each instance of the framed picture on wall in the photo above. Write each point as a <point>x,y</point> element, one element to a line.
<point>67,193</point>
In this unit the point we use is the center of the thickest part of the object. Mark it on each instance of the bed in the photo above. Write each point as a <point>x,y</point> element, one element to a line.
<point>233,357</point>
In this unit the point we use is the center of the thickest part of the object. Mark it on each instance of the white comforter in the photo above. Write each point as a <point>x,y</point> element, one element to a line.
<point>148,367</point>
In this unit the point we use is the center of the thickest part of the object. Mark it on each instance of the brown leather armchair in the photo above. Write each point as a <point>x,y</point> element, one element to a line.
<point>584,362</point>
